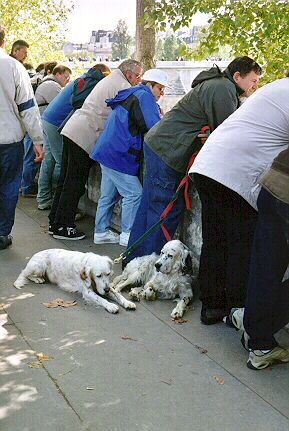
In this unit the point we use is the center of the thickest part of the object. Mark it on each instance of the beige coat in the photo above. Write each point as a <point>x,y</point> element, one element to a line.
<point>86,124</point>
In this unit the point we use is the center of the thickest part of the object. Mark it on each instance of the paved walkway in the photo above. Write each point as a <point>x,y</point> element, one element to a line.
<point>135,371</point>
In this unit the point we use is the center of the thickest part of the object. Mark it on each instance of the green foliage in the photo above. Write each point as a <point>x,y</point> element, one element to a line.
<point>121,46</point>
<point>159,49</point>
<point>258,28</point>
<point>42,23</point>
<point>170,48</point>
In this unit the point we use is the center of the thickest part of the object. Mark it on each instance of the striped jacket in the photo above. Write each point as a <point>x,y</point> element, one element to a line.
<point>18,109</point>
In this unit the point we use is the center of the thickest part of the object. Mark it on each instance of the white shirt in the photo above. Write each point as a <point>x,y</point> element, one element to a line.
<point>243,147</point>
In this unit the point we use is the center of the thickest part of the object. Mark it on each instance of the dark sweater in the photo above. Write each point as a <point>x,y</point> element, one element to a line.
<point>214,96</point>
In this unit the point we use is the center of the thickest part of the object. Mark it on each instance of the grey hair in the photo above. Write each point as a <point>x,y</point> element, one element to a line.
<point>129,65</point>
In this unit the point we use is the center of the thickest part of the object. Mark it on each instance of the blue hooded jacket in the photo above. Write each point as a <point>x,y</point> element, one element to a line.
<point>66,102</point>
<point>134,112</point>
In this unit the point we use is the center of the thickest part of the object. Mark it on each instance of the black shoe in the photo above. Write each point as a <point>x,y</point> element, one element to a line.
<point>68,232</point>
<point>210,316</point>
<point>51,228</point>
<point>5,241</point>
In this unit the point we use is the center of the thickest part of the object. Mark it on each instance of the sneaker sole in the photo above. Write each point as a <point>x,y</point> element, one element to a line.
<point>69,239</point>
<point>263,365</point>
<point>106,241</point>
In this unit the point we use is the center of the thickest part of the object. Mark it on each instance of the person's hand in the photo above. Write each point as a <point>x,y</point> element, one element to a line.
<point>203,137</point>
<point>39,153</point>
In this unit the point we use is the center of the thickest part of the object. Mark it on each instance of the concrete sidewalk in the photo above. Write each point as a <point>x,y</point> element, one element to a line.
<point>135,371</point>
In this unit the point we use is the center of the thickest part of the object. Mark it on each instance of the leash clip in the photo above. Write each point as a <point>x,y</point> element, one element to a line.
<point>118,259</point>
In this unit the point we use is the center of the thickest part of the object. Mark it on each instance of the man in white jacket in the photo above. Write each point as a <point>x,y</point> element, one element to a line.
<point>19,112</point>
<point>227,172</point>
<point>80,134</point>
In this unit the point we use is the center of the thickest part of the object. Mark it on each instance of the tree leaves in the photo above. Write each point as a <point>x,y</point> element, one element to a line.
<point>42,23</point>
<point>258,28</point>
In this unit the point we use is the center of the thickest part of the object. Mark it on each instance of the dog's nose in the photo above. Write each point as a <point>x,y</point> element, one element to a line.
<point>157,266</point>
<point>106,289</point>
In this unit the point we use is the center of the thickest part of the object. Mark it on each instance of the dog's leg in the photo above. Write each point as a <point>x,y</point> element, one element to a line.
<point>135,293</point>
<point>129,281</point>
<point>121,300</point>
<point>33,271</point>
<point>91,296</point>
<point>149,291</point>
<point>21,280</point>
<point>117,280</point>
<point>180,308</point>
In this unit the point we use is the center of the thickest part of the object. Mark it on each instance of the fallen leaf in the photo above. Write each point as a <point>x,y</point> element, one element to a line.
<point>42,357</point>
<point>58,302</point>
<point>202,350</point>
<point>35,364</point>
<point>219,380</point>
<point>126,337</point>
<point>179,320</point>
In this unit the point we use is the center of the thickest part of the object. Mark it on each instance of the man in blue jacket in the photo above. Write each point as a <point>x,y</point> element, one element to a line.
<point>59,109</point>
<point>119,149</point>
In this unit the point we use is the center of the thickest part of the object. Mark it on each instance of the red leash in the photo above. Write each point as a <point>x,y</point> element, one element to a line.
<point>184,183</point>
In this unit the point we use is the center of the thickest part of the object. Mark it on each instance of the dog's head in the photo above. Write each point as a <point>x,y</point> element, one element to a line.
<point>175,256</point>
<point>96,272</point>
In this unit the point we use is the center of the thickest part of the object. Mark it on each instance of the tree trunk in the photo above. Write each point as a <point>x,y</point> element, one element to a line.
<point>145,38</point>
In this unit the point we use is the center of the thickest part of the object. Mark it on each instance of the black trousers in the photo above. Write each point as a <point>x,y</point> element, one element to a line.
<point>267,304</point>
<point>75,166</point>
<point>228,224</point>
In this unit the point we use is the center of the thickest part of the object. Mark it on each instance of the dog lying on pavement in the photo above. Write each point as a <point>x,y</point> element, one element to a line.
<point>73,271</point>
<point>167,276</point>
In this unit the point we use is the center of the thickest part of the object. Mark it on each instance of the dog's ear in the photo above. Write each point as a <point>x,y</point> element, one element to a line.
<point>85,276</point>
<point>187,265</point>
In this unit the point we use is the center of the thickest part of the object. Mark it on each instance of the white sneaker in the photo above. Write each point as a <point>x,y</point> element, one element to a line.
<point>123,239</point>
<point>108,237</point>
<point>45,206</point>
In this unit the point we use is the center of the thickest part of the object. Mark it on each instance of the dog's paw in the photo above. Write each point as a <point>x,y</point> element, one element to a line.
<point>129,305</point>
<point>149,294</point>
<point>18,284</point>
<point>177,312</point>
<point>38,280</point>
<point>135,294</point>
<point>112,308</point>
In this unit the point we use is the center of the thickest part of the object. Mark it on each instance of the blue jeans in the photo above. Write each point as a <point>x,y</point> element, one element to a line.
<point>267,304</point>
<point>30,167</point>
<point>50,166</point>
<point>160,184</point>
<point>115,185</point>
<point>11,162</point>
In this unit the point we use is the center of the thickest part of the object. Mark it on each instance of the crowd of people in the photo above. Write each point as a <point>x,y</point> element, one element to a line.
<point>241,173</point>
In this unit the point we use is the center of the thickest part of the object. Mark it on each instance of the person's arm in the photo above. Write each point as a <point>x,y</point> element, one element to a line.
<point>219,102</point>
<point>147,114</point>
<point>28,109</point>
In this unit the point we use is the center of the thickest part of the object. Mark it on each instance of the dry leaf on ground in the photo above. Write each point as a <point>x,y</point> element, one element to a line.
<point>42,357</point>
<point>202,349</point>
<point>219,380</point>
<point>179,320</point>
<point>58,302</point>
<point>35,364</point>
<point>126,337</point>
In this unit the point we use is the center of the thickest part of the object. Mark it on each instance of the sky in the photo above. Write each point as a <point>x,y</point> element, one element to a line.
<point>91,15</point>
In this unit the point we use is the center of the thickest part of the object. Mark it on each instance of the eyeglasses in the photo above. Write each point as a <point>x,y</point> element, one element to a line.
<point>160,88</point>
<point>136,75</point>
